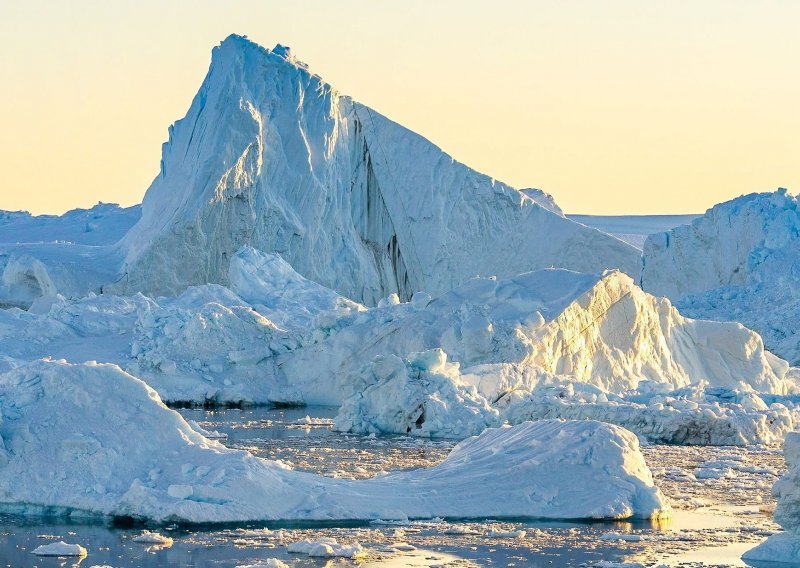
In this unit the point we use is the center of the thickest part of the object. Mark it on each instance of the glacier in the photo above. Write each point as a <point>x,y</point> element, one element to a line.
<point>269,155</point>
<point>165,471</point>
<point>738,262</point>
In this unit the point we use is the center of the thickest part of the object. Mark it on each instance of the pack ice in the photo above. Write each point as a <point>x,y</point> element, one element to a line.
<point>738,262</point>
<point>162,470</point>
<point>269,155</point>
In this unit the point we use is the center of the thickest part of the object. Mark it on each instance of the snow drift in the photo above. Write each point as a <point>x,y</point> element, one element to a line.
<point>272,156</point>
<point>162,470</point>
<point>738,262</point>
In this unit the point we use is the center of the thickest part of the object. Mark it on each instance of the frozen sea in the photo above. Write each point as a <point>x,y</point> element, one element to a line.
<point>721,496</point>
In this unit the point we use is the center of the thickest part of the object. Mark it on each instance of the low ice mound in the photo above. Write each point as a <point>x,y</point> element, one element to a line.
<point>785,546</point>
<point>273,288</point>
<point>66,446</point>
<point>71,254</point>
<point>59,548</point>
<point>270,155</point>
<point>326,548</point>
<point>735,263</point>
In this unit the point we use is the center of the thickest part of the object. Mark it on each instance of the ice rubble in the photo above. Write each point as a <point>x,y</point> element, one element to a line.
<point>738,262</point>
<point>545,344</point>
<point>272,156</point>
<point>784,546</point>
<point>550,343</point>
<point>162,470</point>
<point>59,548</point>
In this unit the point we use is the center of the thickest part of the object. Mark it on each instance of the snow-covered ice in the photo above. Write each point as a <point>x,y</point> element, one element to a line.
<point>738,262</point>
<point>59,548</point>
<point>163,470</point>
<point>349,198</point>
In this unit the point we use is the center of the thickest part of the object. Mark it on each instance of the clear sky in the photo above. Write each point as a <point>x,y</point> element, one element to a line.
<point>612,106</point>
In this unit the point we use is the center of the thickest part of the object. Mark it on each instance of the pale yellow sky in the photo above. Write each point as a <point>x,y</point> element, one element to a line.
<point>612,106</point>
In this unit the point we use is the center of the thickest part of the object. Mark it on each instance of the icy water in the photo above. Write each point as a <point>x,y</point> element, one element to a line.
<point>721,495</point>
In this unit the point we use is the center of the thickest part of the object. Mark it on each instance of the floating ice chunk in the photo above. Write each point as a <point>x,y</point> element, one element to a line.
<point>148,537</point>
<point>534,470</point>
<point>326,548</point>
<point>59,548</point>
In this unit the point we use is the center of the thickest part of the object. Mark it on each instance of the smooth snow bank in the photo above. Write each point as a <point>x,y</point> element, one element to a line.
<point>270,155</point>
<point>785,546</point>
<point>79,417</point>
<point>738,262</point>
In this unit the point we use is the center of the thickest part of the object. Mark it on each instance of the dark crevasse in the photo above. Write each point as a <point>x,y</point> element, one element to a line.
<point>373,223</point>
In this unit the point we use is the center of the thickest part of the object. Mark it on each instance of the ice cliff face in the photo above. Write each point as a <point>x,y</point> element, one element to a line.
<point>270,155</point>
<point>740,261</point>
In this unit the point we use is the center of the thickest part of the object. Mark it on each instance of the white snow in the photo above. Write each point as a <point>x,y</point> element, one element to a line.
<point>350,199</point>
<point>59,548</point>
<point>738,262</point>
<point>80,416</point>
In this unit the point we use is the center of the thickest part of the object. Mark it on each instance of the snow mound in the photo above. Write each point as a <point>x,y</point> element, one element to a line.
<point>165,471</point>
<point>269,155</point>
<point>735,263</point>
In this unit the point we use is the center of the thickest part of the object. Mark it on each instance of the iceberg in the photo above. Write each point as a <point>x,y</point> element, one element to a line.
<point>270,155</point>
<point>738,262</point>
<point>162,470</point>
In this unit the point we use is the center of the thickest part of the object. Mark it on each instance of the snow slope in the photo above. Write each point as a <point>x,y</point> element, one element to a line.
<point>270,155</point>
<point>738,262</point>
<point>162,470</point>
